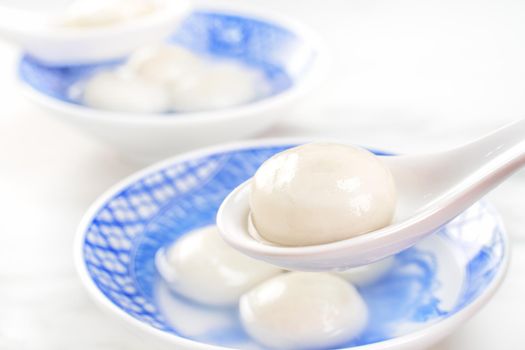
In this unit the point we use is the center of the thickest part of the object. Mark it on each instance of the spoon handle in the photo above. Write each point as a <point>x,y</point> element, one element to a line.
<point>505,146</point>
<point>448,182</point>
<point>437,187</point>
<point>488,161</point>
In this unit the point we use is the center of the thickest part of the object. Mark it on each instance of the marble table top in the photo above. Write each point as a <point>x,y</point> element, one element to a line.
<point>406,75</point>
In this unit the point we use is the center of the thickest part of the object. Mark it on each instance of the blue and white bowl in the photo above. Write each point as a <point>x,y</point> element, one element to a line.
<point>287,53</point>
<point>428,292</point>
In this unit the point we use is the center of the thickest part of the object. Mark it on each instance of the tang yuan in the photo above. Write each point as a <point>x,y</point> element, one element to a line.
<point>303,310</point>
<point>320,193</point>
<point>202,267</point>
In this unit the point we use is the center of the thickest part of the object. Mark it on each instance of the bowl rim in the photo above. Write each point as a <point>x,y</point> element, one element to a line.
<point>168,11</point>
<point>427,335</point>
<point>309,79</point>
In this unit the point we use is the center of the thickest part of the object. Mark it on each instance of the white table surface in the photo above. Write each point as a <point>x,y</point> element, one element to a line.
<point>407,75</point>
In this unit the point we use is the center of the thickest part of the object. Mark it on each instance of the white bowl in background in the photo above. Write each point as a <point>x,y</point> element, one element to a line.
<point>54,45</point>
<point>288,53</point>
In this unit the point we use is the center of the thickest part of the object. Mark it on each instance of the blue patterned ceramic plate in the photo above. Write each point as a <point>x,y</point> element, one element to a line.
<point>282,55</point>
<point>289,54</point>
<point>429,290</point>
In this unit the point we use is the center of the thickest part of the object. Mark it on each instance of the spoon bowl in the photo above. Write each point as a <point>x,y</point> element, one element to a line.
<point>40,34</point>
<point>432,190</point>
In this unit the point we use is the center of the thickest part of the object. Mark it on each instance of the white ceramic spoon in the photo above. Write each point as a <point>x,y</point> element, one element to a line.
<point>432,189</point>
<point>40,34</point>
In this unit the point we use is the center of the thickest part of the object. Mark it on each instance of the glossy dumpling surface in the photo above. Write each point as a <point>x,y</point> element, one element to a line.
<point>320,193</point>
<point>303,310</point>
<point>202,267</point>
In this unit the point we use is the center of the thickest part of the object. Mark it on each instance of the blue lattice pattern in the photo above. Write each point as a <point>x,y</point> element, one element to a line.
<point>109,244</point>
<point>109,240</point>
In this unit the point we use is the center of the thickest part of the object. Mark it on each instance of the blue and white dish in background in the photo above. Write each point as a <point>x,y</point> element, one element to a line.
<point>288,53</point>
<point>428,291</point>
<point>261,45</point>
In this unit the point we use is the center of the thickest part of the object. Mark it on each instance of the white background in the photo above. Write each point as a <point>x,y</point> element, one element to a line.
<point>406,75</point>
